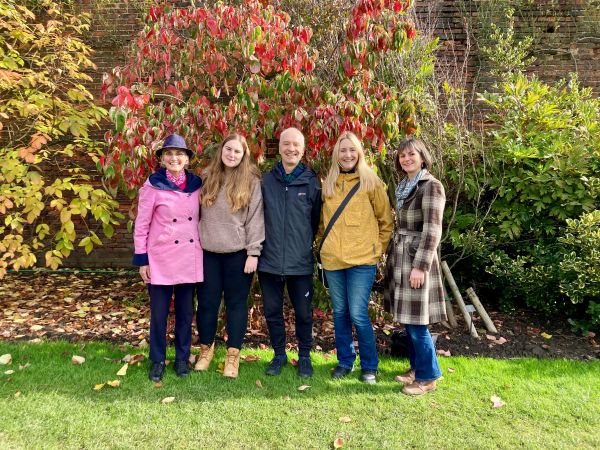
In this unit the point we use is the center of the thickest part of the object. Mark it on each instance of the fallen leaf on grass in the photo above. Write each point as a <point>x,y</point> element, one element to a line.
<point>6,359</point>
<point>546,335</point>
<point>97,387</point>
<point>158,384</point>
<point>166,400</point>
<point>263,346</point>
<point>294,362</point>
<point>338,443</point>
<point>444,352</point>
<point>114,383</point>
<point>287,397</point>
<point>250,358</point>
<point>501,341</point>
<point>24,366</point>
<point>123,370</point>
<point>345,419</point>
<point>451,370</point>
<point>77,360</point>
<point>258,384</point>
<point>303,388</point>
<point>496,401</point>
<point>220,367</point>
<point>17,394</point>
<point>9,372</point>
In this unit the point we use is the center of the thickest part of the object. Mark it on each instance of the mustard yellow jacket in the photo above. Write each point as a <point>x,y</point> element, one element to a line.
<point>362,232</point>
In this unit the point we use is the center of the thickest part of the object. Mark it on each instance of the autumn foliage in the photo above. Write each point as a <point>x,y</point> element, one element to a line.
<point>46,114</point>
<point>206,71</point>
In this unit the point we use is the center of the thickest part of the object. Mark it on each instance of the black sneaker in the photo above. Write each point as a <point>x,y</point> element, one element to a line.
<point>368,376</point>
<point>181,368</point>
<point>340,372</point>
<point>157,370</point>
<point>305,368</point>
<point>276,364</point>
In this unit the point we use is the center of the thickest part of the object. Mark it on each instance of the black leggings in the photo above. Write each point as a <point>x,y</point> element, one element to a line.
<point>224,274</point>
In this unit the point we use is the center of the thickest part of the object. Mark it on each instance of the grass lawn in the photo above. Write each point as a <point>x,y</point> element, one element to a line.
<point>52,404</point>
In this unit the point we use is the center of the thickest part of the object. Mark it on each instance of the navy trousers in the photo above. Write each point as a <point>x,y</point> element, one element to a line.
<point>300,291</point>
<point>160,300</point>
<point>224,275</point>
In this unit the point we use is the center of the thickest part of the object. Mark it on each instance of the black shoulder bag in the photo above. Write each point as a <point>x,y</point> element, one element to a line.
<point>336,215</point>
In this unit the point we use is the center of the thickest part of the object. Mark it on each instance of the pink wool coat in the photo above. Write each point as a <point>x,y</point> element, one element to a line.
<point>166,230</point>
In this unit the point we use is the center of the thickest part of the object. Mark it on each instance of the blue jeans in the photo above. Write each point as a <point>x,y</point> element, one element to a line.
<point>350,290</point>
<point>421,353</point>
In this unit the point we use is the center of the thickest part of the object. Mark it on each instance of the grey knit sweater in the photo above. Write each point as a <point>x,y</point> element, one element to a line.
<point>222,231</point>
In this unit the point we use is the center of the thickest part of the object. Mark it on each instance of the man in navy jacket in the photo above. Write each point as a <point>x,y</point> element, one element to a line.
<point>292,206</point>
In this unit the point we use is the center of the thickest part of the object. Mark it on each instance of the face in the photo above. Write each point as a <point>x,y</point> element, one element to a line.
<point>232,154</point>
<point>347,155</point>
<point>410,161</point>
<point>291,148</point>
<point>174,160</point>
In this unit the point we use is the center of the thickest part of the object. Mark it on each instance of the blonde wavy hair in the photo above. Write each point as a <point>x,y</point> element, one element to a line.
<point>368,178</point>
<point>238,183</point>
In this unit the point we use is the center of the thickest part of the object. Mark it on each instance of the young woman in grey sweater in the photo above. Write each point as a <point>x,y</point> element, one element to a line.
<point>232,230</point>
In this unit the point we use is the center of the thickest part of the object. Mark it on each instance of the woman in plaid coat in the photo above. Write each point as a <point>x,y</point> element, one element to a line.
<point>414,287</point>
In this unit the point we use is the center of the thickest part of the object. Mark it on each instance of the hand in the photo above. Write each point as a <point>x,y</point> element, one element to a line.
<point>417,278</point>
<point>251,264</point>
<point>145,273</point>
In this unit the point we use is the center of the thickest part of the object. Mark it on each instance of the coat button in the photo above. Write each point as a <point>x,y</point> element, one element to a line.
<point>191,240</point>
<point>177,242</point>
<point>189,218</point>
<point>174,220</point>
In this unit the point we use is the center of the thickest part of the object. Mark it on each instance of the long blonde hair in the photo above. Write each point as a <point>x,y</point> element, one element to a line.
<point>368,178</point>
<point>238,183</point>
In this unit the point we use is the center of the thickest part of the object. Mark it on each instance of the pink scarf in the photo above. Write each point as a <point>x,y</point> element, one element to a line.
<point>180,180</point>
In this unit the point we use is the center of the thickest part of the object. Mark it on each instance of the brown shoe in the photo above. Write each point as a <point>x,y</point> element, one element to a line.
<point>232,363</point>
<point>406,377</point>
<point>206,355</point>
<point>419,387</point>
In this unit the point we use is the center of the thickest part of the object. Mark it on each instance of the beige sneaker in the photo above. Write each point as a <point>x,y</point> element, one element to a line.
<point>419,387</point>
<point>406,377</point>
<point>206,355</point>
<point>232,363</point>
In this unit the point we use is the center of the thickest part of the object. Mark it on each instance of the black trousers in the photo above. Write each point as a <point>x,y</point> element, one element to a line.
<point>224,275</point>
<point>300,291</point>
<point>160,300</point>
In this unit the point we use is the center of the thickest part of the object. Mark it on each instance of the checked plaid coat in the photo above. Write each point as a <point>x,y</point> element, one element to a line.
<point>415,243</point>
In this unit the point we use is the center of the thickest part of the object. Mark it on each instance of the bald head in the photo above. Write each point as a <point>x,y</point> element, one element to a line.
<point>291,148</point>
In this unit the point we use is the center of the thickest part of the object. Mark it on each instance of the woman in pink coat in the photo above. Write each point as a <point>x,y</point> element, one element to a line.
<point>168,252</point>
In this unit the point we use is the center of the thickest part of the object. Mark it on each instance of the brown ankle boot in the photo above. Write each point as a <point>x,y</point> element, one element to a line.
<point>419,387</point>
<point>232,363</point>
<point>206,355</point>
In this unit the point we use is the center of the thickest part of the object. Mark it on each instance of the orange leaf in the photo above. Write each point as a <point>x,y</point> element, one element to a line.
<point>338,443</point>
<point>259,384</point>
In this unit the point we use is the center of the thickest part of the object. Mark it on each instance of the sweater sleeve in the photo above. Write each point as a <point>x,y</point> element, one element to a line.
<point>434,199</point>
<point>255,222</point>
<point>383,214</point>
<point>142,225</point>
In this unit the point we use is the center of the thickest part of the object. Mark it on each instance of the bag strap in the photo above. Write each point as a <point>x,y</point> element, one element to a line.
<point>335,217</point>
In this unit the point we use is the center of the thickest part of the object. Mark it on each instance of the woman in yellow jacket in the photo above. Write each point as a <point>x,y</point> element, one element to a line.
<point>351,251</point>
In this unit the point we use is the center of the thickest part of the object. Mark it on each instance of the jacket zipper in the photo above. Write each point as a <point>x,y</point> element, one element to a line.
<point>284,230</point>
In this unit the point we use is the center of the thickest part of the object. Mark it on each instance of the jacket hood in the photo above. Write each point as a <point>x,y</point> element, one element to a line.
<point>160,181</point>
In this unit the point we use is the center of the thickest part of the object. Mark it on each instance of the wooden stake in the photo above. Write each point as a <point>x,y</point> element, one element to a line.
<point>481,310</point>
<point>449,309</point>
<point>459,299</point>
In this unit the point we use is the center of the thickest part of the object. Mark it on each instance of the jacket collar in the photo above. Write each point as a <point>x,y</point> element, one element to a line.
<point>424,179</point>
<point>302,178</point>
<point>160,181</point>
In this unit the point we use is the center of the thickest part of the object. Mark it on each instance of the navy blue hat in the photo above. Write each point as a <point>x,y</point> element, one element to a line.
<point>174,141</point>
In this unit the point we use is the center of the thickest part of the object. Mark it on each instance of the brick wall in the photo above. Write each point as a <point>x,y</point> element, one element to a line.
<point>567,35</point>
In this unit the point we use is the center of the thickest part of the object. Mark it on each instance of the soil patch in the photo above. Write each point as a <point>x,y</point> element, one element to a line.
<point>113,306</point>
